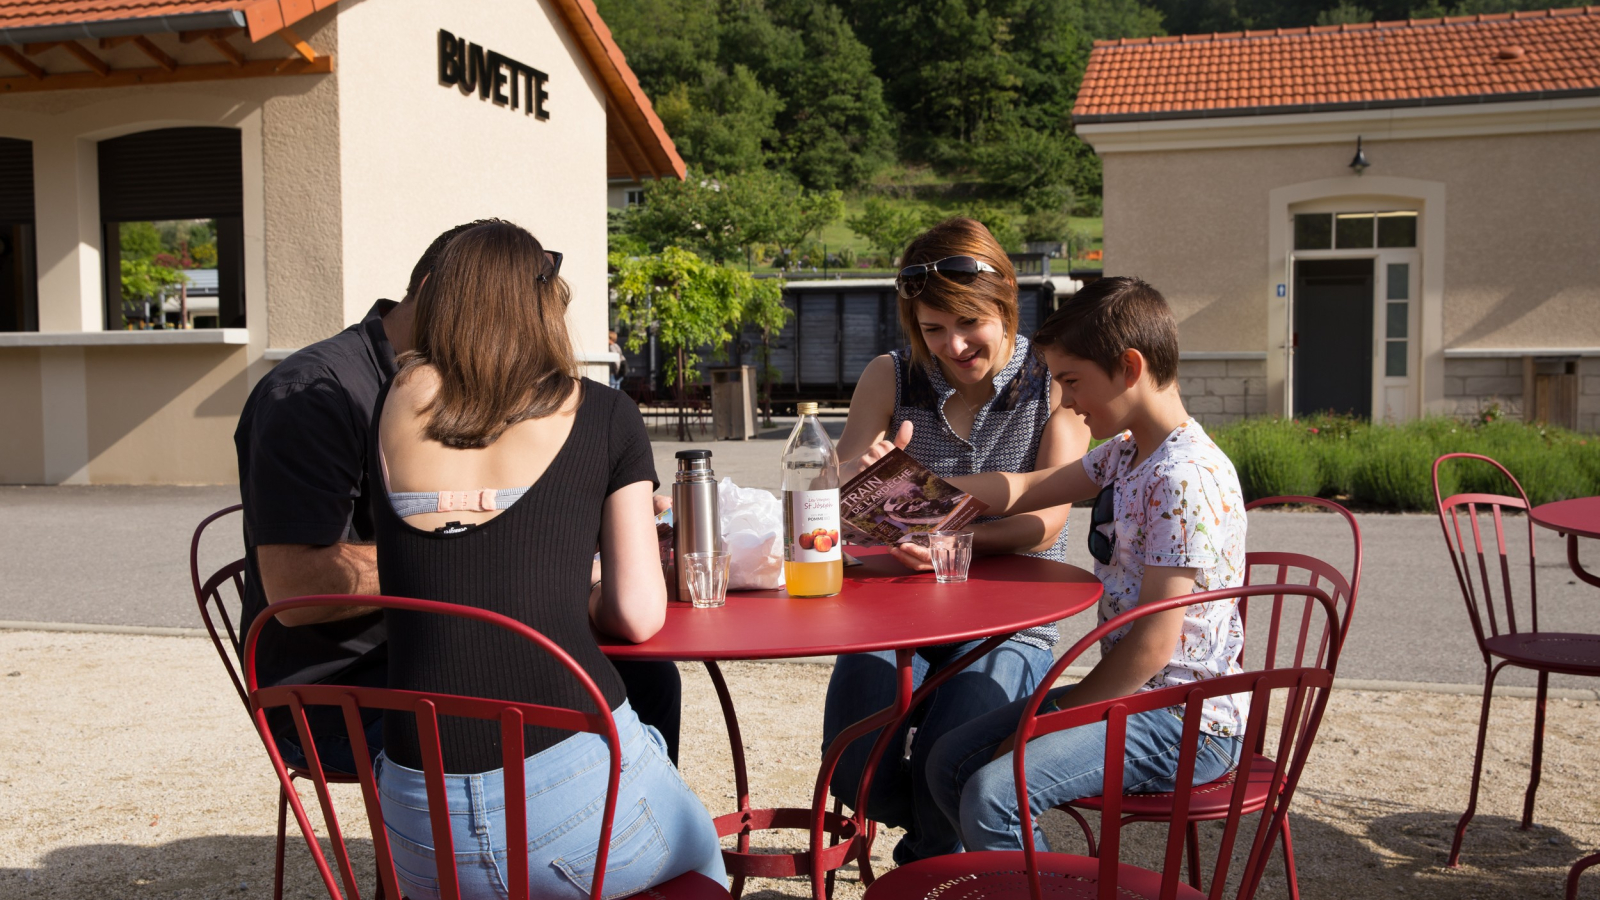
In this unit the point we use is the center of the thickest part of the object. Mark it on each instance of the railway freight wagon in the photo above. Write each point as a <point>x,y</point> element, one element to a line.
<point>839,325</point>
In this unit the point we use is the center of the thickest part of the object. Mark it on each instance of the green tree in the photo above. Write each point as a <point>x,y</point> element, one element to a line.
<point>685,301</point>
<point>720,218</point>
<point>886,227</point>
<point>139,240</point>
<point>144,281</point>
<point>723,122</point>
<point>994,218</point>
<point>765,311</point>
<point>1346,13</point>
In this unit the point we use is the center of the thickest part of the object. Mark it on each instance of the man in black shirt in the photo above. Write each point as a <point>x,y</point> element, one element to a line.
<point>302,446</point>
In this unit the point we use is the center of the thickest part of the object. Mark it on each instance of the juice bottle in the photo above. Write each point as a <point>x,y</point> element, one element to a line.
<point>813,563</point>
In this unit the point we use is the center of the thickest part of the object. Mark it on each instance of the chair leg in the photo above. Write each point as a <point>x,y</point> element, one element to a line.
<point>1538,752</point>
<point>1288,861</point>
<point>283,824</point>
<point>1194,854</point>
<point>1477,768</point>
<point>1576,872</point>
<point>833,840</point>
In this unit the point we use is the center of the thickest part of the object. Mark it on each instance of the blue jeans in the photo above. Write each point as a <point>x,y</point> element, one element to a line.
<point>661,830</point>
<point>864,683</point>
<point>979,793</point>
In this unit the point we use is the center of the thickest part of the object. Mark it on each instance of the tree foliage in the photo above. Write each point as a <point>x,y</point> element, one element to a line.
<point>721,218</point>
<point>688,303</point>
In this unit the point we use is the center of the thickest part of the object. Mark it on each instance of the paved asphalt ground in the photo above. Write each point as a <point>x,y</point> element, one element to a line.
<point>118,556</point>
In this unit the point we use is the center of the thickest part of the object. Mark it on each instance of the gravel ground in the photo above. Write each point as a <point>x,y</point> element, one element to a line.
<point>97,801</point>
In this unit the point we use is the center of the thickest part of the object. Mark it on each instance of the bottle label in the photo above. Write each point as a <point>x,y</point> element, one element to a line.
<point>813,526</point>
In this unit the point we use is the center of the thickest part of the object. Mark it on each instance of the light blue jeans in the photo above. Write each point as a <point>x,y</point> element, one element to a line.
<point>661,829</point>
<point>978,793</point>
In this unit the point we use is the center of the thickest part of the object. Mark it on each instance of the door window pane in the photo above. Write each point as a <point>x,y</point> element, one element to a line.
<point>1394,363</point>
<point>1353,231</point>
<point>1313,231</point>
<point>1397,229</point>
<point>1396,326</point>
<point>1399,281</point>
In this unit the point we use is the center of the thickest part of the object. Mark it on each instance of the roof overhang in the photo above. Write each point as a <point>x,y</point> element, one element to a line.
<point>1580,112</point>
<point>638,146</point>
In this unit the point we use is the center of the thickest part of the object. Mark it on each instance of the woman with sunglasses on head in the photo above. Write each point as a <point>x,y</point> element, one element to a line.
<point>980,400</point>
<point>501,472</point>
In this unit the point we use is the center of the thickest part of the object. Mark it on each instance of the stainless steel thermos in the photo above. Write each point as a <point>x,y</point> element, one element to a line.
<point>696,525</point>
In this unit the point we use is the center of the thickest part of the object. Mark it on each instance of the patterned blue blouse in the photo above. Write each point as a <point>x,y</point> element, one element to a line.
<point>1005,434</point>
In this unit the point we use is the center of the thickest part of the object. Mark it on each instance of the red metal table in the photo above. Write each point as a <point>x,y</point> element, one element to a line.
<point>1574,518</point>
<point>883,606</point>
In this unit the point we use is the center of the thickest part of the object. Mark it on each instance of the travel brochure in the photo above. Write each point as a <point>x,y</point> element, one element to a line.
<point>896,499</point>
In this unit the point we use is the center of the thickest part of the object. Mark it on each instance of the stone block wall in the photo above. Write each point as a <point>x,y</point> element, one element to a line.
<point>1471,385</point>
<point>1219,391</point>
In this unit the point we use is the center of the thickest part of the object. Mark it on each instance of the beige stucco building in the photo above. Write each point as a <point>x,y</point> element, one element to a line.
<point>1459,267</point>
<point>353,150</point>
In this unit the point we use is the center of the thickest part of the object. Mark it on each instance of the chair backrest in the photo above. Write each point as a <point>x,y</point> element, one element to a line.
<point>1299,693</point>
<point>512,717</point>
<point>1490,617</point>
<point>208,595</point>
<point>1354,575</point>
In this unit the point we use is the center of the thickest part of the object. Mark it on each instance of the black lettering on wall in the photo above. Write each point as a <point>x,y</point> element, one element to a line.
<point>449,63</point>
<point>497,65</point>
<point>471,67</point>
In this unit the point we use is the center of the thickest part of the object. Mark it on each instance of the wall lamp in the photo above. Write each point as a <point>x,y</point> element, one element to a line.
<point>1359,164</point>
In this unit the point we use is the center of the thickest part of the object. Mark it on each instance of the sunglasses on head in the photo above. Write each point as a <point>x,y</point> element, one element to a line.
<point>959,269</point>
<point>1102,545</point>
<point>553,259</point>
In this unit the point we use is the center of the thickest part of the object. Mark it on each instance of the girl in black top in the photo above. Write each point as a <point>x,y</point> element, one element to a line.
<point>487,419</point>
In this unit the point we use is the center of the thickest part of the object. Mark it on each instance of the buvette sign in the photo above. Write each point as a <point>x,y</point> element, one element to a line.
<point>494,76</point>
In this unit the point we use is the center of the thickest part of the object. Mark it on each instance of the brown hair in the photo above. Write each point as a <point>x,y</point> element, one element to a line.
<point>495,332</point>
<point>1111,316</point>
<point>430,256</point>
<point>989,296</point>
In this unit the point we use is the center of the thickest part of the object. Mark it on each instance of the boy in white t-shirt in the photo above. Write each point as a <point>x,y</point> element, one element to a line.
<point>1168,519</point>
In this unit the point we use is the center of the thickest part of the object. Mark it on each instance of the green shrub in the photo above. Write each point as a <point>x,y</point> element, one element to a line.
<point>1393,470</point>
<point>1273,461</point>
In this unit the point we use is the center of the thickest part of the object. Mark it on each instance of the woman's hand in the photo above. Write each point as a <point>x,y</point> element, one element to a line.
<point>849,470</point>
<point>913,556</point>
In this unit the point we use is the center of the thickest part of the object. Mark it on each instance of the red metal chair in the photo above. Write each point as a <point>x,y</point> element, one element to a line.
<point>213,608</point>
<point>1502,640</point>
<point>428,707</point>
<point>1299,693</point>
<point>1211,800</point>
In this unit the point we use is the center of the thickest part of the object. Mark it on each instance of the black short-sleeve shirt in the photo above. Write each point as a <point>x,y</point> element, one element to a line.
<point>302,445</point>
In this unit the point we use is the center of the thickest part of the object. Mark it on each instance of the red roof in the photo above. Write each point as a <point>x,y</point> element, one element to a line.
<point>1468,59</point>
<point>637,144</point>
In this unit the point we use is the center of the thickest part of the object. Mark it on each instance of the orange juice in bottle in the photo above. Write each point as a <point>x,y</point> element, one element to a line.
<point>813,563</point>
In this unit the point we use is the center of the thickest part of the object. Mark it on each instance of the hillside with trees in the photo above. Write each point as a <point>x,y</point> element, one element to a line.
<point>908,111</point>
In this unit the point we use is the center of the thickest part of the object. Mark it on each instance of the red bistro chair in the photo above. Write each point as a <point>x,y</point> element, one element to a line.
<point>428,707</point>
<point>1502,640</point>
<point>213,609</point>
<point>1303,692</point>
<point>1211,801</point>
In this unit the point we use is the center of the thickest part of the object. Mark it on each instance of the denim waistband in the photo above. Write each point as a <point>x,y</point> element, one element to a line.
<point>542,771</point>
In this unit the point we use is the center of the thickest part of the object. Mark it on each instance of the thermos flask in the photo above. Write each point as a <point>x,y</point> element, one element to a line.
<point>696,525</point>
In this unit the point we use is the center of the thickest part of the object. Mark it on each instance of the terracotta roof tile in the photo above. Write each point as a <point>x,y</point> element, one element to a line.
<point>1377,63</point>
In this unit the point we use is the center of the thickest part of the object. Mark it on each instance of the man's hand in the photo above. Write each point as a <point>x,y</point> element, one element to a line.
<point>660,503</point>
<point>297,570</point>
<point>849,470</point>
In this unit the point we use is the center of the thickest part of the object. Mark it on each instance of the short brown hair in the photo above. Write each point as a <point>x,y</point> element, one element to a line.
<point>989,296</point>
<point>495,332</point>
<point>1111,316</point>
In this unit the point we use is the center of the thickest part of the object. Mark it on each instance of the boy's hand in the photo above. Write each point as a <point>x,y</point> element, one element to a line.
<point>849,470</point>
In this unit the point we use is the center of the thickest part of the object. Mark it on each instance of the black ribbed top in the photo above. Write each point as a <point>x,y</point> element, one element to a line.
<point>530,563</point>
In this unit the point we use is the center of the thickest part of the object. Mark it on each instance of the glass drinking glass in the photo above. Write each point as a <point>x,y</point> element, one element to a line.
<point>952,554</point>
<point>707,578</point>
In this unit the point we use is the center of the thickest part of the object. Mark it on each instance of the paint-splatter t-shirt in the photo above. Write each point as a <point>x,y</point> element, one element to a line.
<point>1180,507</point>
